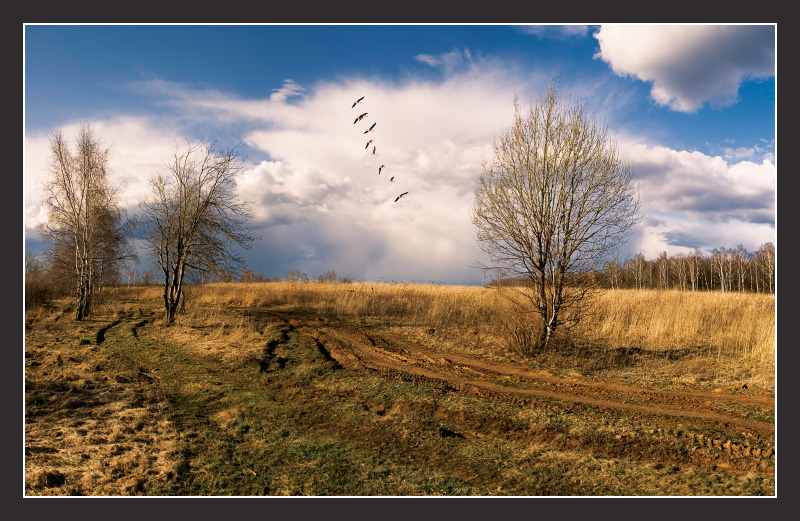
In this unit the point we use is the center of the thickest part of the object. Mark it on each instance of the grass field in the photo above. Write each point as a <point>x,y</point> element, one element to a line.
<point>398,390</point>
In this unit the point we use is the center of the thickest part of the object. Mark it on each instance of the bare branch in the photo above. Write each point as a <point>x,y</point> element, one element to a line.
<point>554,205</point>
<point>193,220</point>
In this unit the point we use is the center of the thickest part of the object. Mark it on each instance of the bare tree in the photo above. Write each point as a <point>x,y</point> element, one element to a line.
<point>613,273</point>
<point>86,226</point>
<point>193,219</point>
<point>247,275</point>
<point>693,267</point>
<point>740,257</point>
<point>766,256</point>
<point>637,267</point>
<point>556,202</point>
<point>662,269</point>
<point>38,290</point>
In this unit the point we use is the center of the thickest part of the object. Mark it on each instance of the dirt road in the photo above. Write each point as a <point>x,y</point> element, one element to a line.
<point>731,430</point>
<point>121,405</point>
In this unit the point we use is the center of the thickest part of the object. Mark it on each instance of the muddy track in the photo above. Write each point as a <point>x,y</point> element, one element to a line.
<point>135,328</point>
<point>356,349</point>
<point>101,333</point>
<point>705,429</point>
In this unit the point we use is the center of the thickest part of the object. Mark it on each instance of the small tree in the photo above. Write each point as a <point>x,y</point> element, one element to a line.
<point>38,289</point>
<point>556,202</point>
<point>194,219</point>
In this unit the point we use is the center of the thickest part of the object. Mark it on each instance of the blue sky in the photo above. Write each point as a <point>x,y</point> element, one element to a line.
<point>692,107</point>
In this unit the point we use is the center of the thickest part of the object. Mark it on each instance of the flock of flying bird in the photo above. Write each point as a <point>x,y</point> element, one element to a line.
<point>370,142</point>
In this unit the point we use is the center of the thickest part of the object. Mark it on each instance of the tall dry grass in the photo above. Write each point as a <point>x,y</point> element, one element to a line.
<point>714,325</point>
<point>408,303</point>
<point>728,323</point>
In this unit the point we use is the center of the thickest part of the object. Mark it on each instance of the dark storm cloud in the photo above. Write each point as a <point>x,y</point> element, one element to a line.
<point>315,248</point>
<point>682,238</point>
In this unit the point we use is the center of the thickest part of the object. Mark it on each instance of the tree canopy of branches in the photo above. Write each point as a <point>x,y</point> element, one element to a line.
<point>193,220</point>
<point>556,202</point>
<point>86,227</point>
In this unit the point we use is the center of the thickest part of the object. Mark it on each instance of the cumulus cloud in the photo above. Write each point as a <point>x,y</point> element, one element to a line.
<point>323,183</point>
<point>140,147</point>
<point>690,65</point>
<point>739,153</point>
<point>695,200</point>
<point>319,203</point>
<point>701,185</point>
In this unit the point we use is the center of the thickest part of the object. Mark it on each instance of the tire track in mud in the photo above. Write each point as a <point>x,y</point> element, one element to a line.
<point>101,333</point>
<point>674,427</point>
<point>136,327</point>
<point>356,350</point>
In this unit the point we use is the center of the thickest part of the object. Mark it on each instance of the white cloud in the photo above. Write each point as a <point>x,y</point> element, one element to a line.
<point>323,176</point>
<point>290,88</point>
<point>319,203</point>
<point>139,148</point>
<point>449,62</point>
<point>694,200</point>
<point>690,65</point>
<point>195,104</point>
<point>739,153</point>
<point>433,61</point>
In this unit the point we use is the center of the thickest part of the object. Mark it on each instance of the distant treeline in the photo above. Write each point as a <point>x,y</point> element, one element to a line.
<point>724,269</point>
<point>733,269</point>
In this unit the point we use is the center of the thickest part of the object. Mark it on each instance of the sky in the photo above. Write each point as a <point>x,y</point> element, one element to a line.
<point>691,107</point>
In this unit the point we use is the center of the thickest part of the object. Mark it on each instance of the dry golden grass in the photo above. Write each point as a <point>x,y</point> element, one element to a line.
<point>214,422</point>
<point>736,329</point>
<point>733,323</point>
<point>741,324</point>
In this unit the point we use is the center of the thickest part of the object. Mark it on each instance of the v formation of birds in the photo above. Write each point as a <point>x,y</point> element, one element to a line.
<point>371,141</point>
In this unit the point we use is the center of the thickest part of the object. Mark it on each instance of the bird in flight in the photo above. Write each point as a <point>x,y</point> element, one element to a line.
<point>381,168</point>
<point>359,118</point>
<point>357,101</point>
<point>373,149</point>
<point>370,128</point>
<point>367,145</point>
<point>390,180</point>
<point>399,196</point>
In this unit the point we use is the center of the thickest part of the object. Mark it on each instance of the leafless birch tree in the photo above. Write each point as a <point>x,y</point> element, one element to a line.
<point>86,226</point>
<point>555,203</point>
<point>193,220</point>
<point>766,260</point>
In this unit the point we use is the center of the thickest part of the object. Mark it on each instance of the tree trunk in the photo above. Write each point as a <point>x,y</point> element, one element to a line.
<point>173,294</point>
<point>548,331</point>
<point>168,317</point>
<point>80,297</point>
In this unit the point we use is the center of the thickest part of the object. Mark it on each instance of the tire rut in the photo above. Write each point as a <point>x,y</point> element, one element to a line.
<point>135,328</point>
<point>101,333</point>
<point>350,350</point>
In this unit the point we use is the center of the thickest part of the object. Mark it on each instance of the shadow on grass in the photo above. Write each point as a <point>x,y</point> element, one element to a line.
<point>566,353</point>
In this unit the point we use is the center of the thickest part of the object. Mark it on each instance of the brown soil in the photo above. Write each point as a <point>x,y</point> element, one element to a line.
<point>725,412</point>
<point>93,417</point>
